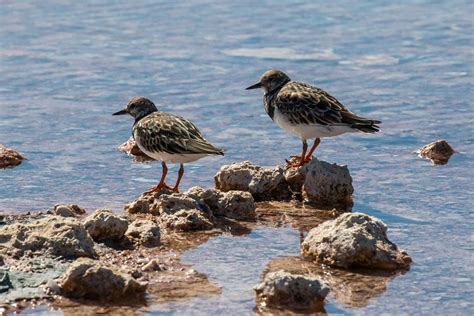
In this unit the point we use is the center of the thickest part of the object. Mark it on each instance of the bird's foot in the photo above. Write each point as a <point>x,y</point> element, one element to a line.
<point>156,188</point>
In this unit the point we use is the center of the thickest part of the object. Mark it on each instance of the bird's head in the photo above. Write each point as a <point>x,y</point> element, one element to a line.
<point>138,107</point>
<point>271,80</point>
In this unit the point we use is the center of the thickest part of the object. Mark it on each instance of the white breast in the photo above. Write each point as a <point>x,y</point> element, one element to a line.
<point>310,131</point>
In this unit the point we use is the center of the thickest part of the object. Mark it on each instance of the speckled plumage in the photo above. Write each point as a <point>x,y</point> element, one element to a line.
<point>308,111</point>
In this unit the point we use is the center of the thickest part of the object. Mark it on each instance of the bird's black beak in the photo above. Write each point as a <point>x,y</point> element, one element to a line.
<point>254,86</point>
<point>121,112</point>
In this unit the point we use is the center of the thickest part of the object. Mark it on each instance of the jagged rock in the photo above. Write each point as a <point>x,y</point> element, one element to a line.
<point>53,235</point>
<point>438,152</point>
<point>262,183</point>
<point>9,157</point>
<point>285,289</point>
<point>183,213</point>
<point>232,204</point>
<point>94,280</point>
<point>354,240</point>
<point>327,185</point>
<point>176,211</point>
<point>144,232</point>
<point>71,210</point>
<point>131,149</point>
<point>104,225</point>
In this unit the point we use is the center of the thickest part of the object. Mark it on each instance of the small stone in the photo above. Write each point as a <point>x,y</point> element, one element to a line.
<point>144,232</point>
<point>104,225</point>
<point>285,289</point>
<point>71,210</point>
<point>91,279</point>
<point>130,148</point>
<point>151,266</point>
<point>354,240</point>
<point>136,274</point>
<point>438,152</point>
<point>9,157</point>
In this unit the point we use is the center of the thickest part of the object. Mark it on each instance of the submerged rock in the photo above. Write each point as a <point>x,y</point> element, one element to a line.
<point>53,235</point>
<point>293,290</point>
<point>91,279</point>
<point>68,210</point>
<point>144,232</point>
<point>262,183</point>
<point>9,157</point>
<point>354,240</point>
<point>104,225</point>
<point>234,204</point>
<point>130,148</point>
<point>438,152</point>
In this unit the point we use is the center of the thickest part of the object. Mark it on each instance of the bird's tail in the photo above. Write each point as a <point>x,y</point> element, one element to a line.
<point>367,128</point>
<point>360,123</point>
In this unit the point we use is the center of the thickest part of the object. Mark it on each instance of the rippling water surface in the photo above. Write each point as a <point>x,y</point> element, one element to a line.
<point>66,67</point>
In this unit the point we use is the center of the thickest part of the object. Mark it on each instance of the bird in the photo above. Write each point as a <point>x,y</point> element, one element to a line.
<point>307,111</point>
<point>166,137</point>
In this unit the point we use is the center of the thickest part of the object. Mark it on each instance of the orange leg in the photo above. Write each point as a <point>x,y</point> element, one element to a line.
<point>303,155</point>
<point>162,184</point>
<point>180,175</point>
<point>310,154</point>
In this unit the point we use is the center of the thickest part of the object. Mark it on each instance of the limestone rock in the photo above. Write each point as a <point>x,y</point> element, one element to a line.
<point>9,157</point>
<point>285,289</point>
<point>438,152</point>
<point>94,280</point>
<point>71,210</point>
<point>327,185</point>
<point>104,225</point>
<point>183,213</point>
<point>53,235</point>
<point>354,240</point>
<point>131,149</point>
<point>234,204</point>
<point>262,183</point>
<point>144,232</point>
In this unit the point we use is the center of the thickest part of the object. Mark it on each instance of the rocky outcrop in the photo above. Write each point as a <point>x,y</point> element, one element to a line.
<point>91,279</point>
<point>238,205</point>
<point>104,225</point>
<point>317,182</point>
<point>131,149</point>
<point>262,183</point>
<point>438,152</point>
<point>68,210</point>
<point>354,240</point>
<point>143,232</point>
<point>53,235</point>
<point>291,290</point>
<point>9,157</point>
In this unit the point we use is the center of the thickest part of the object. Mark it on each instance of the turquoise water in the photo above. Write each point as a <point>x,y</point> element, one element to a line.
<point>66,67</point>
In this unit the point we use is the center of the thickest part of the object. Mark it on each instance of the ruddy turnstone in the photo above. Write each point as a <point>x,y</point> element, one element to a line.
<point>307,111</point>
<point>166,137</point>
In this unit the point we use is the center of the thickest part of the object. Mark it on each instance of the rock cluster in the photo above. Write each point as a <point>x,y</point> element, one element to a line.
<point>68,210</point>
<point>354,240</point>
<point>131,149</point>
<point>9,157</point>
<point>291,290</point>
<point>143,232</point>
<point>318,182</point>
<point>438,152</point>
<point>195,209</point>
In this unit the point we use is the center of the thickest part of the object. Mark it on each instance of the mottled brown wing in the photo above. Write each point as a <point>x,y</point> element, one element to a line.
<point>305,104</point>
<point>164,132</point>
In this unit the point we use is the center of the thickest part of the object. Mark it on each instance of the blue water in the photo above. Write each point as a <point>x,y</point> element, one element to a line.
<point>66,67</point>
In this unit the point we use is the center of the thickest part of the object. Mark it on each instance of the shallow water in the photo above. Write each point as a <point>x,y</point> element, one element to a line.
<point>66,68</point>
